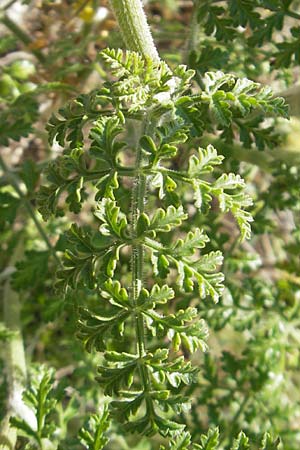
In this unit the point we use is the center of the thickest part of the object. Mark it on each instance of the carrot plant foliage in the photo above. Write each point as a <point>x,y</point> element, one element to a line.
<point>146,382</point>
<point>153,222</point>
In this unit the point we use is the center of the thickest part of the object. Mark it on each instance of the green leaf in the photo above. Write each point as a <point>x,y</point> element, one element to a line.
<point>143,223</point>
<point>228,181</point>
<point>22,425</point>
<point>30,174</point>
<point>241,442</point>
<point>235,202</point>
<point>113,379</point>
<point>106,186</point>
<point>288,51</point>
<point>39,397</point>
<point>116,294</point>
<point>180,442</point>
<point>184,326</point>
<point>123,63</point>
<point>17,120</point>
<point>268,443</point>
<point>88,257</point>
<point>221,108</point>
<point>114,221</point>
<point>32,271</point>
<point>210,441</point>
<point>204,162</point>
<point>175,372</point>
<point>66,173</point>
<point>160,265</point>
<point>124,409</point>
<point>166,426</point>
<point>157,295</point>
<point>152,426</point>
<point>193,240</point>
<point>148,144</point>
<point>105,145</point>
<point>6,333</point>
<point>239,97</point>
<point>165,220</point>
<point>92,436</point>
<point>9,205</point>
<point>67,127</point>
<point>95,328</point>
<point>189,268</point>
<point>209,284</point>
<point>45,404</point>
<point>211,18</point>
<point>169,136</point>
<point>141,81</point>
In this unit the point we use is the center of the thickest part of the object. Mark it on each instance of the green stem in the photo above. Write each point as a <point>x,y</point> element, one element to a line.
<point>194,42</point>
<point>137,37</point>
<point>14,357</point>
<point>134,27</point>
<point>194,37</point>
<point>137,257</point>
<point>14,183</point>
<point>293,14</point>
<point>237,416</point>
<point>21,35</point>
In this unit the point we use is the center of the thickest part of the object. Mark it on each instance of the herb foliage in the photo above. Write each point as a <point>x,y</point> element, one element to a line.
<point>148,208</point>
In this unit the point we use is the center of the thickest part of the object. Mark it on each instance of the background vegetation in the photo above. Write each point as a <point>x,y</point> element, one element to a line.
<point>249,374</point>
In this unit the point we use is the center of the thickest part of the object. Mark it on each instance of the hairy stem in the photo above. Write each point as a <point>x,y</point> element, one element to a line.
<point>194,37</point>
<point>137,37</point>
<point>134,27</point>
<point>137,257</point>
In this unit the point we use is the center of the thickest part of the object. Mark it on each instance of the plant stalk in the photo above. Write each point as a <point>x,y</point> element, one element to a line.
<point>194,37</point>
<point>137,37</point>
<point>137,256</point>
<point>14,359</point>
<point>22,36</point>
<point>134,27</point>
